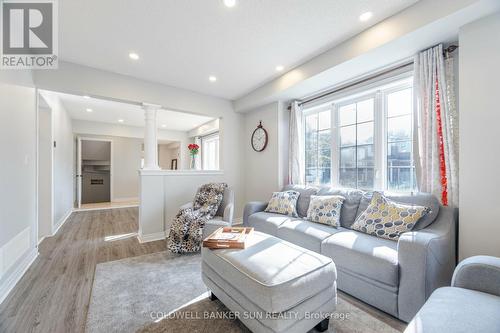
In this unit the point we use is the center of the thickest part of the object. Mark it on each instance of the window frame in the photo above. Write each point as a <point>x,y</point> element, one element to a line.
<point>203,140</point>
<point>379,91</point>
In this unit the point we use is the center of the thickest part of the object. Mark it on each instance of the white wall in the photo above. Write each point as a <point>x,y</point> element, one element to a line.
<point>63,163</point>
<point>264,171</point>
<point>166,153</point>
<point>18,135</point>
<point>479,119</point>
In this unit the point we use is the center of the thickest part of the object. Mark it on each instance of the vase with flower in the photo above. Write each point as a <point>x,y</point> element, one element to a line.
<point>194,149</point>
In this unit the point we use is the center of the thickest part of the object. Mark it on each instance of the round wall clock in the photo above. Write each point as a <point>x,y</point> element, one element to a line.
<point>259,138</point>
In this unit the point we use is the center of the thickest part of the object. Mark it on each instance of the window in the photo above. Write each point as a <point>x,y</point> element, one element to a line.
<point>210,152</point>
<point>318,147</point>
<point>363,140</point>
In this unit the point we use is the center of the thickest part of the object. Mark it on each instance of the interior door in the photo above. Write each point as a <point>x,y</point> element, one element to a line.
<point>79,172</point>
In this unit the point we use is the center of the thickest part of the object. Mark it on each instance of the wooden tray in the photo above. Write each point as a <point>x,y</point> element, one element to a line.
<point>218,240</point>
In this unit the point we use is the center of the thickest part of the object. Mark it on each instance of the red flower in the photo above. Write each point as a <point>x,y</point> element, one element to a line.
<point>193,146</point>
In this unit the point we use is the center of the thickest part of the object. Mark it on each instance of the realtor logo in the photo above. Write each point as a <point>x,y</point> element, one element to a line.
<point>29,34</point>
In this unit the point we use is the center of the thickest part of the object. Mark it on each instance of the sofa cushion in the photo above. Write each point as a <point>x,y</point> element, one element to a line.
<point>349,206</point>
<point>304,198</point>
<point>325,209</point>
<point>283,203</point>
<point>274,274</point>
<point>267,222</point>
<point>451,309</point>
<point>388,219</point>
<point>372,257</point>
<point>306,234</point>
<point>420,199</point>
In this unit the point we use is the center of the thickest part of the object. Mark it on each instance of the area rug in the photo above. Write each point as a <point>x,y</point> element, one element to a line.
<point>163,292</point>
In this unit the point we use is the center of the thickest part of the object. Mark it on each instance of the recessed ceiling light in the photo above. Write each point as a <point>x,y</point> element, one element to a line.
<point>133,56</point>
<point>280,68</point>
<point>230,3</point>
<point>121,120</point>
<point>86,96</point>
<point>89,110</point>
<point>163,125</point>
<point>212,78</point>
<point>365,16</point>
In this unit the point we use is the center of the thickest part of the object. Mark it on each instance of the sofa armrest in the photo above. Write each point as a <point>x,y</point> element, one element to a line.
<point>426,261</point>
<point>186,205</point>
<point>481,273</point>
<point>228,214</point>
<point>252,208</point>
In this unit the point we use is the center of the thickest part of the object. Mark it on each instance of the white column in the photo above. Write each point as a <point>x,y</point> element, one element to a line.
<point>150,137</point>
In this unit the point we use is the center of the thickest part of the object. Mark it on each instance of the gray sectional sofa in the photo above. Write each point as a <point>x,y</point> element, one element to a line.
<point>396,277</point>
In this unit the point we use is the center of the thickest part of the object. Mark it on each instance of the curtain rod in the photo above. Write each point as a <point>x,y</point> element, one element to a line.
<point>349,85</point>
<point>448,50</point>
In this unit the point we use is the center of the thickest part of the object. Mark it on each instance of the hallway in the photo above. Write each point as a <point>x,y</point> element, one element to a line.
<point>53,296</point>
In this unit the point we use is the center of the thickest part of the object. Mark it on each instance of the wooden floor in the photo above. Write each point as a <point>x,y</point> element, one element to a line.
<point>53,296</point>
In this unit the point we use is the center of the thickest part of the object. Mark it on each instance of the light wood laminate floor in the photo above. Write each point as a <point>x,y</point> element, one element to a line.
<point>53,296</point>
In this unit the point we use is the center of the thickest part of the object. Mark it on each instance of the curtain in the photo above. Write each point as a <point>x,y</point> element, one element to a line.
<point>436,126</point>
<point>296,174</point>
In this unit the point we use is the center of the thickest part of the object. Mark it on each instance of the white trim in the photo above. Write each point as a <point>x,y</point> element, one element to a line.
<point>144,172</point>
<point>11,281</point>
<point>151,237</point>
<point>60,223</point>
<point>125,199</point>
<point>104,208</point>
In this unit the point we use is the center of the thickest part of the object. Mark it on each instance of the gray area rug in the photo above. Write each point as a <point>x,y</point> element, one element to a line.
<point>163,292</point>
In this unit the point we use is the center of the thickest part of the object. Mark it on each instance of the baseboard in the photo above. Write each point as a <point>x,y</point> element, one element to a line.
<point>151,237</point>
<point>11,281</point>
<point>125,199</point>
<point>61,222</point>
<point>238,221</point>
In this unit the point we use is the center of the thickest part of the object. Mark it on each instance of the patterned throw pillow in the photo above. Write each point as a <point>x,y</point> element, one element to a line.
<point>388,219</point>
<point>325,209</point>
<point>283,203</point>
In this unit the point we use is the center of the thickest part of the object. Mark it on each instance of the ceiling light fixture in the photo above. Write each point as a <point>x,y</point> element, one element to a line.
<point>121,120</point>
<point>230,3</point>
<point>86,96</point>
<point>89,110</point>
<point>133,56</point>
<point>365,16</point>
<point>280,68</point>
<point>163,125</point>
<point>212,78</point>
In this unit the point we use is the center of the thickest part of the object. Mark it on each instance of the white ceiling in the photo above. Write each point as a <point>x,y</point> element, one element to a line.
<point>106,111</point>
<point>182,43</point>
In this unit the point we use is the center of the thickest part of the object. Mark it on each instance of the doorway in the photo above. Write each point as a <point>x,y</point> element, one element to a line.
<point>94,171</point>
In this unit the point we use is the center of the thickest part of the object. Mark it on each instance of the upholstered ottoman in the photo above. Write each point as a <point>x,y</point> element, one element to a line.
<point>273,285</point>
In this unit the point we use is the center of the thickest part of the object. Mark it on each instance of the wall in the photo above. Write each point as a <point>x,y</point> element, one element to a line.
<point>18,136</point>
<point>166,153</point>
<point>264,170</point>
<point>63,164</point>
<point>479,119</point>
